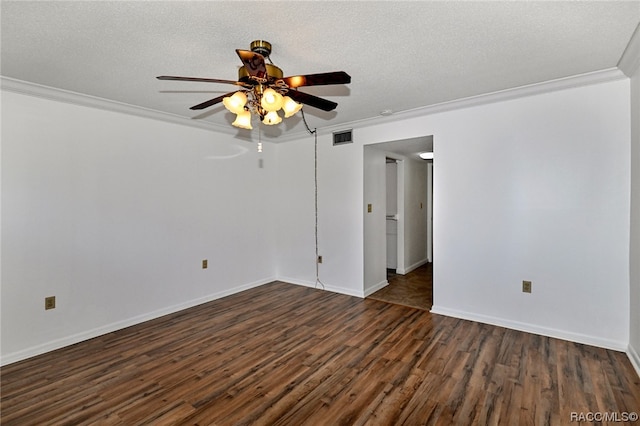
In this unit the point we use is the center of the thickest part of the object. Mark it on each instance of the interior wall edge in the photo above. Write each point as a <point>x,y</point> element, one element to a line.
<point>634,358</point>
<point>369,291</point>
<point>630,61</point>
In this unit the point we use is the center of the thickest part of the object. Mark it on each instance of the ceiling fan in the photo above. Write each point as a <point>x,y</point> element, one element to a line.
<point>264,90</point>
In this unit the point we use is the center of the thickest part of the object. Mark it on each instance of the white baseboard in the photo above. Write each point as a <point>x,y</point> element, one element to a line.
<point>380,285</point>
<point>410,268</point>
<point>634,358</point>
<point>534,329</point>
<point>296,281</point>
<point>323,286</point>
<point>109,328</point>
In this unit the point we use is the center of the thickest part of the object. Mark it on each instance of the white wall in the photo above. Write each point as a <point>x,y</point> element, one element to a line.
<point>391,186</point>
<point>375,232</point>
<point>634,338</point>
<point>340,175</point>
<point>295,218</point>
<point>339,215</point>
<point>538,192</point>
<point>430,211</point>
<point>113,214</point>
<point>415,214</point>
<point>535,188</point>
<point>393,219</point>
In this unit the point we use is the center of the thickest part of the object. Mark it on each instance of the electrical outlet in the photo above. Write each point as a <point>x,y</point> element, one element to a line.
<point>50,302</point>
<point>205,264</point>
<point>526,286</point>
<point>319,259</point>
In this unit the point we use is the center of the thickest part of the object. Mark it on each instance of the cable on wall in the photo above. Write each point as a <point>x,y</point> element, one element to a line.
<point>314,132</point>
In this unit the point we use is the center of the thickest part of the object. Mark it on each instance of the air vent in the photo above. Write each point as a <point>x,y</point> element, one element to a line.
<point>343,137</point>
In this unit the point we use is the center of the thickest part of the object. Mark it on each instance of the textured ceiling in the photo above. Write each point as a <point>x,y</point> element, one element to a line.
<point>400,55</point>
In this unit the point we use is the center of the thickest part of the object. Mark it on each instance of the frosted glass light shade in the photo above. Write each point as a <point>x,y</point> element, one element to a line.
<point>243,120</point>
<point>271,100</point>
<point>426,155</point>
<point>290,107</point>
<point>236,102</point>
<point>272,118</point>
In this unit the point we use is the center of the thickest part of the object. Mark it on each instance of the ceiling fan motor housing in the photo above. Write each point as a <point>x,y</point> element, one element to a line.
<point>262,47</point>
<point>273,72</point>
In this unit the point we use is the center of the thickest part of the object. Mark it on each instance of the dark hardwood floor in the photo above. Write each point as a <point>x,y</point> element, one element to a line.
<point>282,354</point>
<point>414,289</point>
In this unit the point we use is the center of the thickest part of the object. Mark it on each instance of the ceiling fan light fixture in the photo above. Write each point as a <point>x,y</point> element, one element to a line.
<point>236,102</point>
<point>290,107</point>
<point>426,155</point>
<point>243,120</point>
<point>263,88</point>
<point>271,100</point>
<point>272,118</point>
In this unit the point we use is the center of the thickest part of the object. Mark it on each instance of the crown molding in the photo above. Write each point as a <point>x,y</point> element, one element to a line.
<point>603,76</point>
<point>630,61</point>
<point>75,98</point>
<point>611,74</point>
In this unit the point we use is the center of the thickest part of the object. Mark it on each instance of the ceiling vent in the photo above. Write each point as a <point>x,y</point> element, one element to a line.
<point>343,137</point>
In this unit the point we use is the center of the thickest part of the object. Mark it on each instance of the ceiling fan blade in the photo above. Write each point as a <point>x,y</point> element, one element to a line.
<point>312,100</point>
<point>322,79</point>
<point>205,80</point>
<point>253,62</point>
<point>210,102</point>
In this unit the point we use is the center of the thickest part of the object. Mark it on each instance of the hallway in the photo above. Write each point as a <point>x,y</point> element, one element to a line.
<point>414,289</point>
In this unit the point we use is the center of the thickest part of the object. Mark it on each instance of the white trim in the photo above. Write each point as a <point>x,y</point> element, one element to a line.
<point>602,76</point>
<point>379,286</point>
<point>534,329</point>
<point>75,98</point>
<point>345,291</point>
<point>109,328</point>
<point>296,281</point>
<point>611,74</point>
<point>331,288</point>
<point>630,60</point>
<point>634,358</point>
<point>415,266</point>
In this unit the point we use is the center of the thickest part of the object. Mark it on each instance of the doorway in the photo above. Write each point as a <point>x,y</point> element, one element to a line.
<point>414,289</point>
<point>397,176</point>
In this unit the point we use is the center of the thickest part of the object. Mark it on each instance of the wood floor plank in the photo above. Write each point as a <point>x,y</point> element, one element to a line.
<point>414,290</point>
<point>282,354</point>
